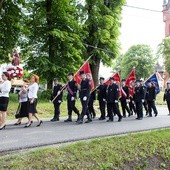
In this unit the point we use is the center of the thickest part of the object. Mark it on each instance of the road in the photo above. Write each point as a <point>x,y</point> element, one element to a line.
<point>18,137</point>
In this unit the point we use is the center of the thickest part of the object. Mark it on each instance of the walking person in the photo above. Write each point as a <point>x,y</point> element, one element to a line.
<point>145,104</point>
<point>91,104</point>
<point>112,96</point>
<point>139,99</point>
<point>71,97</point>
<point>124,99</point>
<point>102,98</point>
<point>150,98</point>
<point>5,88</point>
<point>132,106</point>
<point>85,88</point>
<point>166,96</point>
<point>32,100</point>
<point>23,100</point>
<point>57,101</point>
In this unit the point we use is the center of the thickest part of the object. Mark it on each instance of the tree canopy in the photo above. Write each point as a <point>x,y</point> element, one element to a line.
<point>139,56</point>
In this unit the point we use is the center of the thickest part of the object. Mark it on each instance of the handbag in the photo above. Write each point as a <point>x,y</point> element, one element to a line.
<point>17,114</point>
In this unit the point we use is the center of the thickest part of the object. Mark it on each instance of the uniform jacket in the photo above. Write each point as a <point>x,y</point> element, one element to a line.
<point>151,93</point>
<point>55,91</point>
<point>102,92</point>
<point>112,93</point>
<point>93,95</point>
<point>85,88</point>
<point>138,94</point>
<point>72,85</point>
<point>167,95</point>
<point>126,90</point>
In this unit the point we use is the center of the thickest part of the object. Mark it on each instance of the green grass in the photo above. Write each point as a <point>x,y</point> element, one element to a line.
<point>142,151</point>
<point>46,109</point>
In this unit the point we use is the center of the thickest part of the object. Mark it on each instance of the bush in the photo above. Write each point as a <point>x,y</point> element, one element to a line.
<point>44,95</point>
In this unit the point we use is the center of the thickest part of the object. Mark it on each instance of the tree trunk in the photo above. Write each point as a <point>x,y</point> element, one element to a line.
<point>1,3</point>
<point>50,39</point>
<point>95,69</point>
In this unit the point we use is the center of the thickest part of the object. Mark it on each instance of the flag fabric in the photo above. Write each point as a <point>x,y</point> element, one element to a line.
<point>130,81</point>
<point>154,80</point>
<point>86,68</point>
<point>116,77</point>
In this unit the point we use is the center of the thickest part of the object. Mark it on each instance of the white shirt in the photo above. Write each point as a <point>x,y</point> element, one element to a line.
<point>32,90</point>
<point>5,88</point>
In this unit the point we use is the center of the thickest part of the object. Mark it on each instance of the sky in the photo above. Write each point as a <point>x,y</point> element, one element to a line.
<point>140,27</point>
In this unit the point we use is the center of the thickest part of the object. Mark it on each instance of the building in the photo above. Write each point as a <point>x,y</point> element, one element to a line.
<point>166,16</point>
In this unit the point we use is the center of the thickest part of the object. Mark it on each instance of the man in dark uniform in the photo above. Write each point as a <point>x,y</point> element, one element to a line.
<point>139,99</point>
<point>91,104</point>
<point>112,96</point>
<point>124,98</point>
<point>71,97</point>
<point>150,97</point>
<point>102,98</point>
<point>145,101</point>
<point>85,88</point>
<point>166,96</point>
<point>57,102</point>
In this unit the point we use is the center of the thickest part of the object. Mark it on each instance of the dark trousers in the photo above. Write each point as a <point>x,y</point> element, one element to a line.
<point>56,110</point>
<point>151,105</point>
<point>113,108</point>
<point>85,110</point>
<point>102,106</point>
<point>125,108</point>
<point>132,107</point>
<point>145,104</point>
<point>139,109</point>
<point>168,104</point>
<point>71,107</point>
<point>91,108</point>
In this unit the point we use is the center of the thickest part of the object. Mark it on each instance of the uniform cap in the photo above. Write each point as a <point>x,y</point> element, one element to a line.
<point>55,79</point>
<point>70,74</point>
<point>111,78</point>
<point>81,72</point>
<point>123,80</point>
<point>101,78</point>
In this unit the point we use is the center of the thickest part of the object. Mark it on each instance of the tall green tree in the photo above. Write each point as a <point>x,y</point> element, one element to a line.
<point>55,46</point>
<point>164,50</point>
<point>11,16</point>
<point>102,26</point>
<point>141,57</point>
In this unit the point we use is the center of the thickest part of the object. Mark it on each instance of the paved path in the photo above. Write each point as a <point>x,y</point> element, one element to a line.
<point>18,137</point>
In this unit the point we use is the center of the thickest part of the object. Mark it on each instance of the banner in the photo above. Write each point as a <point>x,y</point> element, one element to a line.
<point>86,68</point>
<point>130,81</point>
<point>116,77</point>
<point>154,80</point>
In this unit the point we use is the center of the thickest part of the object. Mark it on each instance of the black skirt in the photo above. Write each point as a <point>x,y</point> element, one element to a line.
<point>32,107</point>
<point>23,110</point>
<point>4,103</point>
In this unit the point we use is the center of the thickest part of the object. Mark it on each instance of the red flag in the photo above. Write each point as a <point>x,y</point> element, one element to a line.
<point>86,68</point>
<point>116,77</point>
<point>130,81</point>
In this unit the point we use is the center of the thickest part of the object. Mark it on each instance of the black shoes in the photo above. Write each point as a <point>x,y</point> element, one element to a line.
<point>120,119</point>
<point>109,120</point>
<point>102,118</point>
<point>17,123</point>
<point>40,123</point>
<point>3,127</point>
<point>88,121</point>
<point>68,120</point>
<point>54,119</point>
<point>28,125</point>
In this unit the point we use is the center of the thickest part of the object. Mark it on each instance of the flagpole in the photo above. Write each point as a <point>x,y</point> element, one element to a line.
<point>83,65</point>
<point>67,82</point>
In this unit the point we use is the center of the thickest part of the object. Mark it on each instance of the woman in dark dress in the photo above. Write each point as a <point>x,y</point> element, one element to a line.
<point>23,100</point>
<point>167,96</point>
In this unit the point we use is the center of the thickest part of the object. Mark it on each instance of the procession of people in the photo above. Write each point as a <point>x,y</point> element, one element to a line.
<point>132,95</point>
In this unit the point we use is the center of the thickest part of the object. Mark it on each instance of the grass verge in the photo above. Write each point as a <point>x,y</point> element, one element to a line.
<point>142,151</point>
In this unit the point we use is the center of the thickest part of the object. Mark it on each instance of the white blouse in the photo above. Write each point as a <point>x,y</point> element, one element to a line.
<point>5,88</point>
<point>33,90</point>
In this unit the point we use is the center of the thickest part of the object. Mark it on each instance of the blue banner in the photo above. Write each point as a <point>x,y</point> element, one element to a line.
<point>154,80</point>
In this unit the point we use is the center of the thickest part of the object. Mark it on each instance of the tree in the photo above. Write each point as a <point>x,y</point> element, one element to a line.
<point>10,26</point>
<point>102,23</point>
<point>141,57</point>
<point>164,50</point>
<point>55,46</point>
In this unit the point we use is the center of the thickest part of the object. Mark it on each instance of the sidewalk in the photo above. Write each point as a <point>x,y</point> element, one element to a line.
<point>18,137</point>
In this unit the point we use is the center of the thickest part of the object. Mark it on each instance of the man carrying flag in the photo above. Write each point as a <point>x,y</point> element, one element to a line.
<point>124,97</point>
<point>152,90</point>
<point>85,88</point>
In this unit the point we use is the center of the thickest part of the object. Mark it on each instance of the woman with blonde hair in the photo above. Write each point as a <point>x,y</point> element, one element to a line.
<point>5,88</point>
<point>32,100</point>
